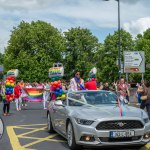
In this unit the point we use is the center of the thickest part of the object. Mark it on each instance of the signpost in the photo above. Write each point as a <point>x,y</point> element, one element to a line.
<point>134,62</point>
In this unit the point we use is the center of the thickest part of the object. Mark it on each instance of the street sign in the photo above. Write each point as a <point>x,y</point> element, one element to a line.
<point>134,62</point>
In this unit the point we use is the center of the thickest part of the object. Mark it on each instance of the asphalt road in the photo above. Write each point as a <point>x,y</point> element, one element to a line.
<point>27,129</point>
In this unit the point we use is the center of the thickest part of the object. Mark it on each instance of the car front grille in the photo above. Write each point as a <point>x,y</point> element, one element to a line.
<point>118,125</point>
<point>125,139</point>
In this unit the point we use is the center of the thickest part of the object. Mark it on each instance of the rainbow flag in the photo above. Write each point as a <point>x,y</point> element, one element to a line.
<point>34,94</point>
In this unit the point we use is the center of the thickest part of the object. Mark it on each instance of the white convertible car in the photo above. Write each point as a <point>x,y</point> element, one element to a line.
<point>98,119</point>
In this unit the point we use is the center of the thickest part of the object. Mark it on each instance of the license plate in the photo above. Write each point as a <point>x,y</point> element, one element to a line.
<point>120,134</point>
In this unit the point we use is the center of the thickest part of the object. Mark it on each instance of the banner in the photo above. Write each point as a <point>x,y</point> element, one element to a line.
<point>34,94</point>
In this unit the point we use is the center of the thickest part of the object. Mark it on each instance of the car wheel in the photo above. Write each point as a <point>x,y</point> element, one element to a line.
<point>49,124</point>
<point>71,138</point>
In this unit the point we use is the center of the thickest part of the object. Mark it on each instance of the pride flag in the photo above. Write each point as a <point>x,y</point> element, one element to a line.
<point>34,94</point>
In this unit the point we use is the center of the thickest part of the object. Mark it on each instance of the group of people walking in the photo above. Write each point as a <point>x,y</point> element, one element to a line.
<point>77,83</point>
<point>120,87</point>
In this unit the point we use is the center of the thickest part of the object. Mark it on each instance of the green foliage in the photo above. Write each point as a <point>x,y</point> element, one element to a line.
<point>33,48</point>
<point>81,46</point>
<point>108,55</point>
<point>142,43</point>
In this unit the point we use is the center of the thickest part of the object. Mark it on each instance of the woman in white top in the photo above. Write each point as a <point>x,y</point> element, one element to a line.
<point>77,83</point>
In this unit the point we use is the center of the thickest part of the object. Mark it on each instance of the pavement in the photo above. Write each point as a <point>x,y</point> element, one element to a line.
<point>27,130</point>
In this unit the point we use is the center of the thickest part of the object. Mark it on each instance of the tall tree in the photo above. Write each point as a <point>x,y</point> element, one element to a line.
<point>81,47</point>
<point>142,43</point>
<point>109,54</point>
<point>33,48</point>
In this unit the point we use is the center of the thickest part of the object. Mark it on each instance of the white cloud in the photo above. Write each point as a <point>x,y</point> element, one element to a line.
<point>137,26</point>
<point>65,14</point>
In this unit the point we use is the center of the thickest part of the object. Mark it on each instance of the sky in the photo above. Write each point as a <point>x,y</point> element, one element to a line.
<point>100,16</point>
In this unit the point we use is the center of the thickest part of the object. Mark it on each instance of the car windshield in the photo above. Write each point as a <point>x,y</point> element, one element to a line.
<point>91,98</point>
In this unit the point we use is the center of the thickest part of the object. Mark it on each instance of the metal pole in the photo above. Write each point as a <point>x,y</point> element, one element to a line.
<point>143,76</point>
<point>127,77</point>
<point>119,56</point>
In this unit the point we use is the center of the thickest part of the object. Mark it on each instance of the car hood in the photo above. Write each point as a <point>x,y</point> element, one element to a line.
<point>99,112</point>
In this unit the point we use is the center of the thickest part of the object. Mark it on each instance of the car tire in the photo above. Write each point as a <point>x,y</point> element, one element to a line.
<point>71,138</point>
<point>49,124</point>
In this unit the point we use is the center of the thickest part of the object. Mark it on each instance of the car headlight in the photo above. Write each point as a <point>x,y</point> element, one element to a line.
<point>146,120</point>
<point>84,121</point>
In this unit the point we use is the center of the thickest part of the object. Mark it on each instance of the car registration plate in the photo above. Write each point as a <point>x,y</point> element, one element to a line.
<point>120,134</point>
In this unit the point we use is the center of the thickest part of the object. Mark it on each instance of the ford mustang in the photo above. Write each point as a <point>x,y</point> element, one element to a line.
<point>98,119</point>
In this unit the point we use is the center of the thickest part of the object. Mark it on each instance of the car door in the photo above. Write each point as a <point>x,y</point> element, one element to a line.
<point>60,114</point>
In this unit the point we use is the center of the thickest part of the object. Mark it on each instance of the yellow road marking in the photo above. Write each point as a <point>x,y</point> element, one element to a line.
<point>35,138</point>
<point>32,125</point>
<point>35,130</point>
<point>40,140</point>
<point>13,139</point>
<point>17,127</point>
<point>148,146</point>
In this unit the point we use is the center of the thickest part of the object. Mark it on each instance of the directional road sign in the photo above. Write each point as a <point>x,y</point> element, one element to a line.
<point>134,62</point>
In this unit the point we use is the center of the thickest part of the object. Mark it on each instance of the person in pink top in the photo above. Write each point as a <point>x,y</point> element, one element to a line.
<point>123,89</point>
<point>52,94</point>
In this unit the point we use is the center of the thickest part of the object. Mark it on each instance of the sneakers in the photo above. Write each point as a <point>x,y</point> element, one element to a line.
<point>7,114</point>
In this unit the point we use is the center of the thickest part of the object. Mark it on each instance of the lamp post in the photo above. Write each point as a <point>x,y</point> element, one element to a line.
<point>119,52</point>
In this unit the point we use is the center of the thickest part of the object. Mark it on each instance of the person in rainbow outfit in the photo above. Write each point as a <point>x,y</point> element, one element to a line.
<point>6,103</point>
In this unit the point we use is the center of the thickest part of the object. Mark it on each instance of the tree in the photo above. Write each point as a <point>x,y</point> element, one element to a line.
<point>81,47</point>
<point>142,43</point>
<point>109,53</point>
<point>33,48</point>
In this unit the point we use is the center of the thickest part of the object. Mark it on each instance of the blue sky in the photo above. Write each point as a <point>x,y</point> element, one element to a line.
<point>97,15</point>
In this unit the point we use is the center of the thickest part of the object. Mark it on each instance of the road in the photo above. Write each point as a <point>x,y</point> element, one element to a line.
<point>27,129</point>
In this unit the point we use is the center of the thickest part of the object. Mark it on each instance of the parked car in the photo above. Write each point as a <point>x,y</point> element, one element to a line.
<point>98,119</point>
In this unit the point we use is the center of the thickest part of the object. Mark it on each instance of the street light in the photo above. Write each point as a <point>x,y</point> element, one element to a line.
<point>119,53</point>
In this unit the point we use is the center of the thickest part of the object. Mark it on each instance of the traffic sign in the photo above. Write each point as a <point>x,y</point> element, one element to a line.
<point>134,62</point>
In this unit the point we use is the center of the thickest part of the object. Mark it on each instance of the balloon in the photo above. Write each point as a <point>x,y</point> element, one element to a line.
<point>60,90</point>
<point>11,81</point>
<point>63,96</point>
<point>56,83</point>
<point>57,89</point>
<point>59,94</point>
<point>8,83</point>
<point>12,84</point>
<point>54,87</point>
<point>56,93</point>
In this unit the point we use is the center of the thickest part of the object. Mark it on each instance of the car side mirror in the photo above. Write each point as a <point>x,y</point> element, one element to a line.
<point>58,103</point>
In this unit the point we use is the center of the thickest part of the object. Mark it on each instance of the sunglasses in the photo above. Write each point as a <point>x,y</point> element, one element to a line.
<point>78,74</point>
